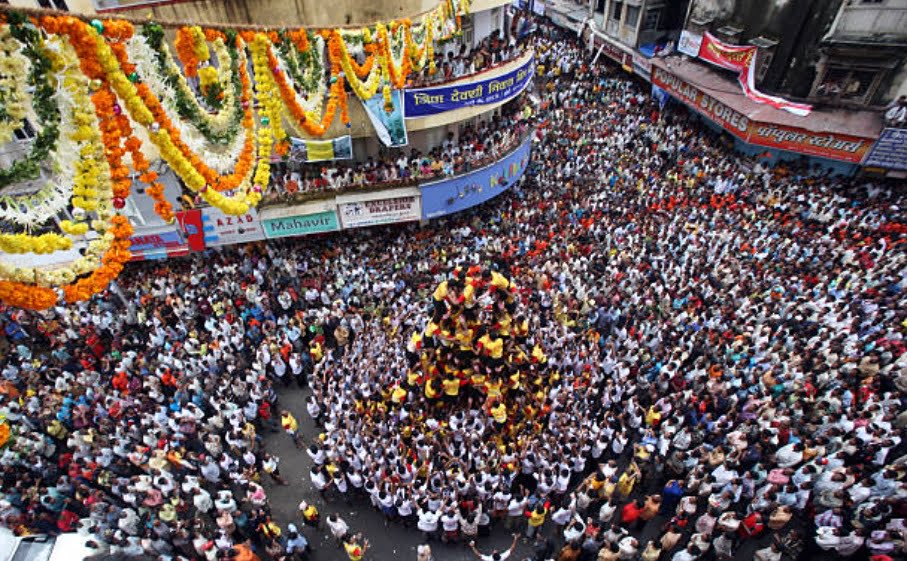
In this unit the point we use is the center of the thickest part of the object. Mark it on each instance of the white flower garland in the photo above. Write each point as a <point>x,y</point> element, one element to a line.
<point>73,101</point>
<point>314,102</point>
<point>221,158</point>
<point>13,69</point>
<point>34,209</point>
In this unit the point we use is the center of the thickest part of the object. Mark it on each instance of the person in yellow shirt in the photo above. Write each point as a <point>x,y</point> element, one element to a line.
<point>291,426</point>
<point>432,389</point>
<point>451,386</point>
<point>355,547</point>
<point>536,519</point>
<point>499,414</point>
<point>493,388</point>
<point>653,416</point>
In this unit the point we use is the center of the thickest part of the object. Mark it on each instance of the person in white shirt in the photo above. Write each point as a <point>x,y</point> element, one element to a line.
<point>495,555</point>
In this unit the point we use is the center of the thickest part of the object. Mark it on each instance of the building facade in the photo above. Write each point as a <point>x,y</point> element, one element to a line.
<point>844,60</point>
<point>480,69</point>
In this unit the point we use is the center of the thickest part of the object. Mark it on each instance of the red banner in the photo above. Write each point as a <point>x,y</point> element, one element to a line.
<point>742,59</point>
<point>826,145</point>
<point>190,222</point>
<point>732,57</point>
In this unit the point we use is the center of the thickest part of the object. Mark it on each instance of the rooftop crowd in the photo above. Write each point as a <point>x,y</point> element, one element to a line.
<point>720,366</point>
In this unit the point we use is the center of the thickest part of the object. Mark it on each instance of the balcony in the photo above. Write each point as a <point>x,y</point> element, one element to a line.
<point>873,23</point>
<point>317,189</point>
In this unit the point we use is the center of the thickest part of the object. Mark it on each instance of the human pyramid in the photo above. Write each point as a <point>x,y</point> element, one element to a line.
<point>476,350</point>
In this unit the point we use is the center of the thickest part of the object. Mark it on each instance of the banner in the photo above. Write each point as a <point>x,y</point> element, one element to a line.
<point>834,146</point>
<point>159,245</point>
<point>223,229</point>
<point>389,126</point>
<point>890,150</point>
<point>453,195</point>
<point>423,102</point>
<point>283,227</point>
<point>642,66</point>
<point>661,96</point>
<point>190,222</point>
<point>689,43</point>
<point>734,122</point>
<point>380,211</point>
<point>742,59</point>
<point>302,151</point>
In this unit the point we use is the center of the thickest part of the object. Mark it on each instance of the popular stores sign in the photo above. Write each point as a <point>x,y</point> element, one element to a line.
<point>735,123</point>
<point>834,146</point>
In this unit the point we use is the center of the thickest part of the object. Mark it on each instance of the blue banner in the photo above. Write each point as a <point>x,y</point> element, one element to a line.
<point>431,101</point>
<point>389,125</point>
<point>889,151</point>
<point>453,195</point>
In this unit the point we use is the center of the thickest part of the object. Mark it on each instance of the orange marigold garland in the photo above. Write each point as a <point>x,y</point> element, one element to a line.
<point>162,122</point>
<point>140,164</point>
<point>308,122</point>
<point>27,296</point>
<point>184,43</point>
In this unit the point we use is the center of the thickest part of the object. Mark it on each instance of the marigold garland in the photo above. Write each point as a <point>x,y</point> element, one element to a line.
<point>102,179</point>
<point>188,51</point>
<point>307,121</point>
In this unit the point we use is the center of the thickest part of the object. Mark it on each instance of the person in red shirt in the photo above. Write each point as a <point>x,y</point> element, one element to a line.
<point>630,514</point>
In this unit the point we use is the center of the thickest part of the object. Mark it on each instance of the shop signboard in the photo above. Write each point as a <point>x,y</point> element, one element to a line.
<point>889,151</point>
<point>833,146</point>
<point>224,229</point>
<point>689,43</point>
<point>448,196</point>
<point>358,214</point>
<point>734,122</point>
<point>300,225</point>
<point>423,102</point>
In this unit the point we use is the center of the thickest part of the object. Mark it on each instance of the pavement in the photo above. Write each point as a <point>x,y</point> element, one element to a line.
<point>389,541</point>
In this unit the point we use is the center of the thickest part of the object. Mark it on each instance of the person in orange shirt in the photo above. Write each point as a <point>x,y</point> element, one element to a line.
<point>241,552</point>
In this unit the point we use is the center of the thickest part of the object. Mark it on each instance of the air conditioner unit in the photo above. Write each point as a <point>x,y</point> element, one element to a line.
<point>729,34</point>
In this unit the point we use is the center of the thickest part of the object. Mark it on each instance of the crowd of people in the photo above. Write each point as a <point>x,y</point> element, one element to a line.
<point>476,146</point>
<point>720,365</point>
<point>458,60</point>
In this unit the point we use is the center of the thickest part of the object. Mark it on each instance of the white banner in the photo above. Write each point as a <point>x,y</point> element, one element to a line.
<point>380,211</point>
<point>223,229</point>
<point>689,43</point>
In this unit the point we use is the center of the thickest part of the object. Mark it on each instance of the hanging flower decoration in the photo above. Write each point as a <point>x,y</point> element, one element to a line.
<point>14,99</point>
<point>108,101</point>
<point>40,78</point>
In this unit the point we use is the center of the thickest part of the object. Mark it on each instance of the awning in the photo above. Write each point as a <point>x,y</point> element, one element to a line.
<point>843,135</point>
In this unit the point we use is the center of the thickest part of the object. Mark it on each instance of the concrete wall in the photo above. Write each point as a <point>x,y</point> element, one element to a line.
<point>75,6</point>
<point>292,13</point>
<point>861,20</point>
<point>797,25</point>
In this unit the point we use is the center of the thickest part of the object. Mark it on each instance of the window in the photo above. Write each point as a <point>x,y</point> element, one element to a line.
<point>632,16</point>
<point>54,5</point>
<point>600,6</point>
<point>848,84</point>
<point>27,132</point>
<point>616,12</point>
<point>650,23</point>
